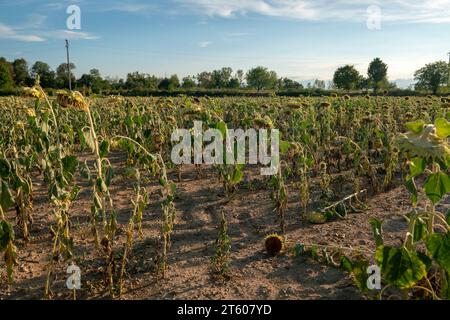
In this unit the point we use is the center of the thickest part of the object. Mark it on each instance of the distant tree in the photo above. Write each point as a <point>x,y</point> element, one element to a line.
<point>174,82</point>
<point>46,75</point>
<point>288,84</point>
<point>234,83</point>
<point>188,83</point>
<point>62,75</point>
<point>20,72</point>
<point>205,80</point>
<point>331,85</point>
<point>261,78</point>
<point>240,77</point>
<point>93,81</point>
<point>169,84</point>
<point>141,81</point>
<point>364,84</point>
<point>319,84</point>
<point>377,74</point>
<point>164,84</point>
<point>347,78</point>
<point>222,77</point>
<point>6,77</point>
<point>432,76</point>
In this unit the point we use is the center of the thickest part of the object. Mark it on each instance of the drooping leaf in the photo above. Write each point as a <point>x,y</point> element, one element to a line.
<point>358,270</point>
<point>6,197</point>
<point>109,174</point>
<point>420,230</point>
<point>70,164</point>
<point>436,186</point>
<point>439,247</point>
<point>400,267</point>
<point>377,231</point>
<point>416,126</point>
<point>6,234</point>
<point>104,149</point>
<point>89,139</point>
<point>5,168</point>
<point>417,166</point>
<point>10,259</point>
<point>410,185</point>
<point>442,128</point>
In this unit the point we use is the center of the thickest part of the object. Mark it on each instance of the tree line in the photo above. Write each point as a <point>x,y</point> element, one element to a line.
<point>18,74</point>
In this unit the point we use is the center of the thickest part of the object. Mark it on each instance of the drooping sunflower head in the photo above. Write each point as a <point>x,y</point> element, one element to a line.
<point>35,92</point>
<point>274,244</point>
<point>72,99</point>
<point>428,141</point>
<point>294,105</point>
<point>263,122</point>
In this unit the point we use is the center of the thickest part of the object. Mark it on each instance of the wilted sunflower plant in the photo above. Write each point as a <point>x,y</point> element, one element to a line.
<point>7,247</point>
<point>102,208</point>
<point>58,168</point>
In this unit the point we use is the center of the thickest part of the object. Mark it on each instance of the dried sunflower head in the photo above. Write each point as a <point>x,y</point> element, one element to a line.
<point>31,113</point>
<point>265,122</point>
<point>274,244</point>
<point>72,99</point>
<point>294,150</point>
<point>293,105</point>
<point>35,92</point>
<point>408,116</point>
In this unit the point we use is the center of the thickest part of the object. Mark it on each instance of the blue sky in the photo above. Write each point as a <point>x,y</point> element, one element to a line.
<point>300,39</point>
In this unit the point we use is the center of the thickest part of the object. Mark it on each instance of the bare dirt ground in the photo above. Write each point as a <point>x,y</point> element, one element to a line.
<point>199,204</point>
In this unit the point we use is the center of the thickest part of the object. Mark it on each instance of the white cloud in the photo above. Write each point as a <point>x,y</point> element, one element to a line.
<point>406,11</point>
<point>131,7</point>
<point>69,34</point>
<point>204,44</point>
<point>7,32</point>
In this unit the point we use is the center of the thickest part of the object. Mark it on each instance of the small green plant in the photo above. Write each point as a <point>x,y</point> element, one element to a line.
<point>325,181</point>
<point>230,174</point>
<point>221,260</point>
<point>139,205</point>
<point>280,196</point>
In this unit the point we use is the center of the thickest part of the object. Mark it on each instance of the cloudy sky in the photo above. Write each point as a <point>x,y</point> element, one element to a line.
<point>300,39</point>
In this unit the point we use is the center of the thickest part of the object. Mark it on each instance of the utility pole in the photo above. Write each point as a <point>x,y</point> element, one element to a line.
<point>68,65</point>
